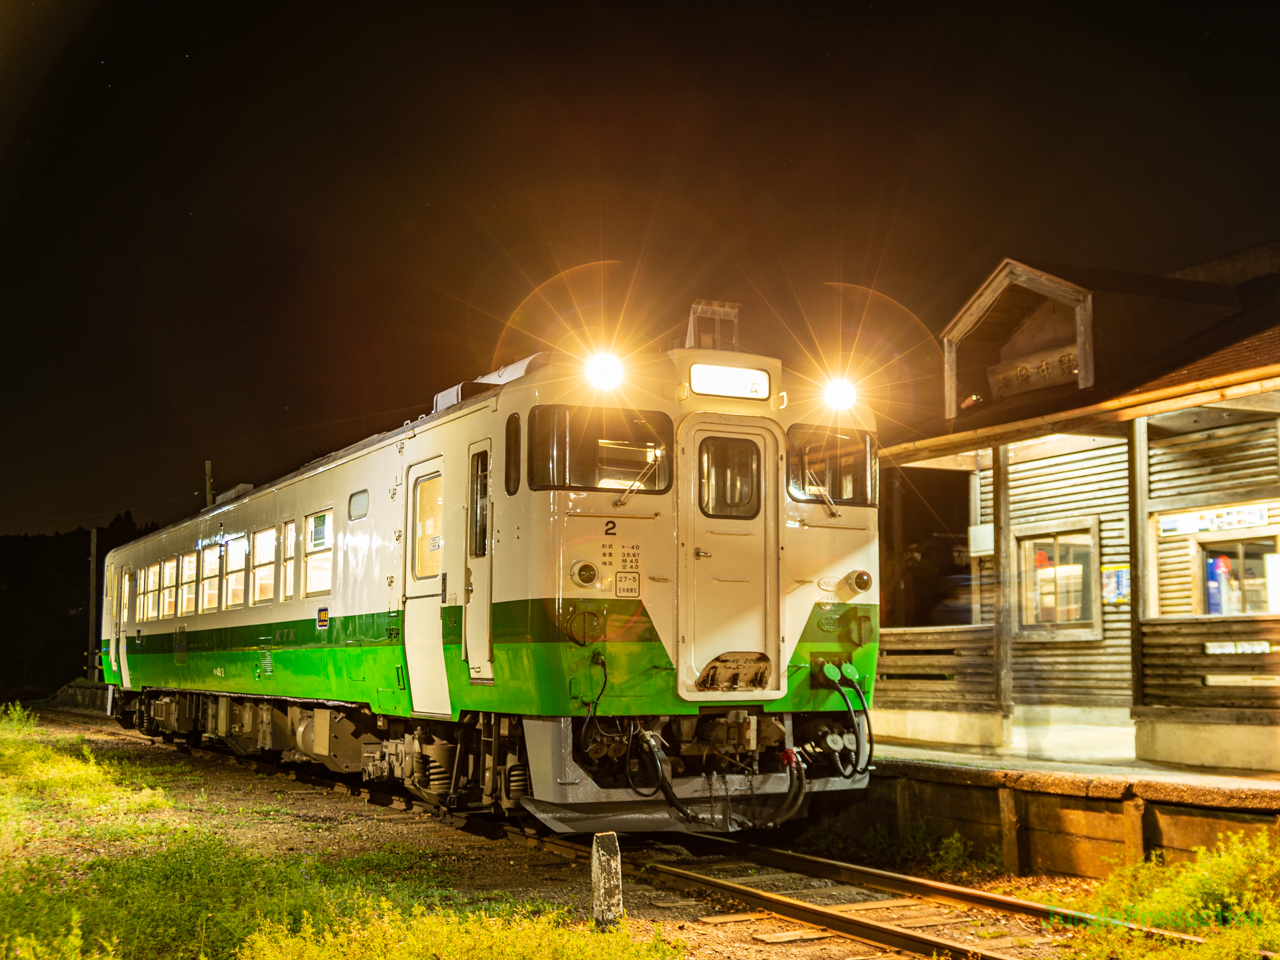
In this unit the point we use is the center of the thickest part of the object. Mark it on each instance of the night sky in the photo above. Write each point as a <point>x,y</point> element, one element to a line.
<point>254,233</point>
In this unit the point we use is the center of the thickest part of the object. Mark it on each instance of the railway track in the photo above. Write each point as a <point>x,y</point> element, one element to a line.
<point>887,912</point>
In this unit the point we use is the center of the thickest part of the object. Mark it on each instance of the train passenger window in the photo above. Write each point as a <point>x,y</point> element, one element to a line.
<point>839,464</point>
<point>513,455</point>
<point>358,505</point>
<point>152,595</point>
<point>169,588</point>
<point>319,554</point>
<point>594,448</point>
<point>480,504</point>
<point>729,478</point>
<point>125,578</point>
<point>428,531</point>
<point>233,579</point>
<point>187,584</point>
<point>290,539</point>
<point>264,566</point>
<point>210,577</point>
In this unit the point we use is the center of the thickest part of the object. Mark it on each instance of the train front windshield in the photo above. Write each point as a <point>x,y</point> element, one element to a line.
<point>833,463</point>
<point>594,448</point>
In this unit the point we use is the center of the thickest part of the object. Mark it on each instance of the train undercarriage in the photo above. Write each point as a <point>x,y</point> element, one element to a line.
<point>717,771</point>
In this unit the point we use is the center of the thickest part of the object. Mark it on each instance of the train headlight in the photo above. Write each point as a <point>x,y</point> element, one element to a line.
<point>584,573</point>
<point>604,372</point>
<point>841,394</point>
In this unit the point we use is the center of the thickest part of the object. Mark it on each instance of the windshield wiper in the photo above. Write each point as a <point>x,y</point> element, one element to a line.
<point>644,474</point>
<point>822,492</point>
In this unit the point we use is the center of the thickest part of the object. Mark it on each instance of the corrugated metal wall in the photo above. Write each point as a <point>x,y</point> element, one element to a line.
<point>1214,461</point>
<point>1075,485</point>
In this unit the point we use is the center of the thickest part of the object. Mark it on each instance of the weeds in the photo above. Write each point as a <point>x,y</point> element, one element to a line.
<point>1230,895</point>
<point>378,932</point>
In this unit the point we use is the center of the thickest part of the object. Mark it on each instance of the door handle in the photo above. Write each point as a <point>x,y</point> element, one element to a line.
<point>699,552</point>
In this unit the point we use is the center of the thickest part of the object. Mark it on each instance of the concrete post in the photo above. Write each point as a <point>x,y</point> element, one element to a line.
<point>606,880</point>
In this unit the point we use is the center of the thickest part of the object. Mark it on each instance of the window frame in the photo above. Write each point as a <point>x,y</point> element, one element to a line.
<point>512,454</point>
<point>1081,630</point>
<point>669,438</point>
<point>205,576</point>
<point>151,596</point>
<point>169,592</point>
<point>413,532</point>
<point>308,553</point>
<point>480,496</point>
<point>351,516</point>
<point>228,573</point>
<point>251,587</point>
<point>757,493</point>
<point>870,444</point>
<point>194,583</point>
<point>288,559</point>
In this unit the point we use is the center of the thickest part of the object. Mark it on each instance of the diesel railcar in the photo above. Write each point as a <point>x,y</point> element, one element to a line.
<point>632,594</point>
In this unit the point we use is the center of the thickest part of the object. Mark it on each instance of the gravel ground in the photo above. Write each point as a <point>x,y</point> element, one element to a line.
<point>272,814</point>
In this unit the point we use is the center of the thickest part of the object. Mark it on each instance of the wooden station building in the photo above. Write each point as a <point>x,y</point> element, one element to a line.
<point>1121,435</point>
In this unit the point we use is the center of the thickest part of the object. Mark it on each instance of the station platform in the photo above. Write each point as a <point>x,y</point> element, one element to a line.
<point>1064,798</point>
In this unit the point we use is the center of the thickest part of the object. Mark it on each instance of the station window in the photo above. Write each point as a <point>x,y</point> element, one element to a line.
<point>264,566</point>
<point>152,595</point>
<point>236,549</point>
<point>729,477</point>
<point>832,463</point>
<point>318,560</point>
<point>1241,576</point>
<point>290,546</point>
<point>598,448</point>
<point>169,588</point>
<point>358,505</point>
<point>210,577</point>
<point>428,508</point>
<point>187,584</point>
<point>1057,575</point>
<point>513,455</point>
<point>480,504</point>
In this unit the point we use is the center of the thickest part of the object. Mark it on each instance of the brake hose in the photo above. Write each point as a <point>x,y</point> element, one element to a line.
<point>858,769</point>
<point>786,810</point>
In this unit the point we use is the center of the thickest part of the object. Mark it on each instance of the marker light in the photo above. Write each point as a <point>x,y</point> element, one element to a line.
<point>841,394</point>
<point>604,371</point>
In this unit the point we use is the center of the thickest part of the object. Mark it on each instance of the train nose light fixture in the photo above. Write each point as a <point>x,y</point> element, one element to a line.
<point>604,372</point>
<point>841,394</point>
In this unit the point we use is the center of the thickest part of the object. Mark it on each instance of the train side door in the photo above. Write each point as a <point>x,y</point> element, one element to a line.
<point>118,647</point>
<point>424,584</point>
<point>729,531</point>
<point>477,613</point>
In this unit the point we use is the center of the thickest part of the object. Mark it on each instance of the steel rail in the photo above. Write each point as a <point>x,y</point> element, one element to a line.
<point>936,890</point>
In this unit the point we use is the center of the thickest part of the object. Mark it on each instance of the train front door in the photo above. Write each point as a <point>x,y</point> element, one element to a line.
<point>729,618</point>
<point>424,583</point>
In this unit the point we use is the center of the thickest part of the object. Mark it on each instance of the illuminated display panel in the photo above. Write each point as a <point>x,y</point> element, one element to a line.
<point>712,380</point>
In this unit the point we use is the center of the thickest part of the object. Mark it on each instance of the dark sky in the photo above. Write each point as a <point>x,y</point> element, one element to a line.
<point>255,232</point>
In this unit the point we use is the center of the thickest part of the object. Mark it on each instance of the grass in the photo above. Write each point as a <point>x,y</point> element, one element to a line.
<point>376,933</point>
<point>187,892</point>
<point>1229,894</point>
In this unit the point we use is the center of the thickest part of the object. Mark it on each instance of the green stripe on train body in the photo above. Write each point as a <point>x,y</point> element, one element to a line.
<point>538,669</point>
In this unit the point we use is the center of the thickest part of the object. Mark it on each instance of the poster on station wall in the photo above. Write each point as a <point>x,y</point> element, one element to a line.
<point>1115,583</point>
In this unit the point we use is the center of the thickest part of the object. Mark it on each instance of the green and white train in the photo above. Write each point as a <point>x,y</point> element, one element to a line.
<point>608,594</point>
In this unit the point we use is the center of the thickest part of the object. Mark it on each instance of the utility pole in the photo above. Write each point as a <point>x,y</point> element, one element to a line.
<point>92,666</point>
<point>208,483</point>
